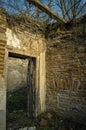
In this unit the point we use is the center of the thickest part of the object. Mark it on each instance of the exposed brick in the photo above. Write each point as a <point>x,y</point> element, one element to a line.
<point>66,77</point>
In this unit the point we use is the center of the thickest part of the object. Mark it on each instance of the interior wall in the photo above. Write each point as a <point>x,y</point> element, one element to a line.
<point>16,73</point>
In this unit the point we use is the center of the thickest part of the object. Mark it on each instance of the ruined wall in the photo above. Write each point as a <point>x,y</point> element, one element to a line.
<point>2,104</point>
<point>21,41</point>
<point>17,39</point>
<point>2,70</point>
<point>2,41</point>
<point>66,77</point>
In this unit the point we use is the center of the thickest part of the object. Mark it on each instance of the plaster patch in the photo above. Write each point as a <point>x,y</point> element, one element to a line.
<point>12,40</point>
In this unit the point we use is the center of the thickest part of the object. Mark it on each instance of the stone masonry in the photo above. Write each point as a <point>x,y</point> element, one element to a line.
<point>2,104</point>
<point>18,39</point>
<point>2,70</point>
<point>60,68</point>
<point>66,77</point>
<point>2,41</point>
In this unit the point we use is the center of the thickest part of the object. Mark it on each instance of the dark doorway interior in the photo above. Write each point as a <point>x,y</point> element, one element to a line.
<point>21,92</point>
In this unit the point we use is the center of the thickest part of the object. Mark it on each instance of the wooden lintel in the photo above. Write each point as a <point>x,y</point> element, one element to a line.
<point>47,10</point>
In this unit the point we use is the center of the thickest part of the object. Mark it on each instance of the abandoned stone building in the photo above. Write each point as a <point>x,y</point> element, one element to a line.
<point>54,65</point>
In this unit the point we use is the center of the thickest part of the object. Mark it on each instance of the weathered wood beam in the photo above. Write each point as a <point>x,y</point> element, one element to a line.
<point>47,10</point>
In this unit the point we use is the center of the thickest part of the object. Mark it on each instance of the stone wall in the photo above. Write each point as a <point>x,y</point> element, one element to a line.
<point>65,68</point>
<point>2,70</point>
<point>66,77</point>
<point>24,43</point>
<point>19,40</point>
<point>2,41</point>
<point>2,104</point>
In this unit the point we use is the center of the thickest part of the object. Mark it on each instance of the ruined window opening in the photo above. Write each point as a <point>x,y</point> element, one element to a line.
<point>30,81</point>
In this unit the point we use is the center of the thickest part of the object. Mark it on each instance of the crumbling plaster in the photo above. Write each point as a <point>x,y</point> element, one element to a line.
<point>31,45</point>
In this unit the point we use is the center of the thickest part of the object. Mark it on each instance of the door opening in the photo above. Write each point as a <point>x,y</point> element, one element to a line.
<point>21,88</point>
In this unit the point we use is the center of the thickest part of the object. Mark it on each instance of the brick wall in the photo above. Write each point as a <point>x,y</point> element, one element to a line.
<point>2,70</point>
<point>66,77</point>
<point>23,42</point>
<point>16,38</point>
<point>2,41</point>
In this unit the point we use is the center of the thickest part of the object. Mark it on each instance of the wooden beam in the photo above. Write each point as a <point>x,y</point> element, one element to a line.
<point>47,10</point>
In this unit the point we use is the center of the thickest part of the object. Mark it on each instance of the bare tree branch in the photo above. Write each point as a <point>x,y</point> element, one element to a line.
<point>47,10</point>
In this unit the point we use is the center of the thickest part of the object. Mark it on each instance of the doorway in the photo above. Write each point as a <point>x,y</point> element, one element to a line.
<point>21,87</point>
